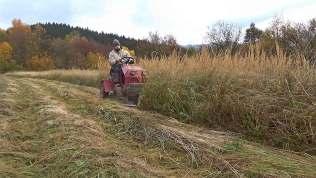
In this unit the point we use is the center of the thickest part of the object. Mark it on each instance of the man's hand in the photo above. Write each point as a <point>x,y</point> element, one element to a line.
<point>118,62</point>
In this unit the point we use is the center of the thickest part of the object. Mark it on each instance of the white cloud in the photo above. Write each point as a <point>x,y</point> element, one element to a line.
<point>301,14</point>
<point>187,20</point>
<point>294,15</point>
<point>117,17</point>
<point>3,25</point>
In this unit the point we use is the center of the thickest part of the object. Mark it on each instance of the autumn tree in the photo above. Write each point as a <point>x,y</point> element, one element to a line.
<point>40,41</point>
<point>80,47</point>
<point>275,30</point>
<point>223,37</point>
<point>40,63</point>
<point>299,39</point>
<point>253,34</point>
<point>293,39</point>
<point>74,50</point>
<point>130,51</point>
<point>6,62</point>
<point>154,38</point>
<point>26,41</point>
<point>62,53</point>
<point>93,60</point>
<point>5,52</point>
<point>170,40</point>
<point>161,45</point>
<point>170,44</point>
<point>19,35</point>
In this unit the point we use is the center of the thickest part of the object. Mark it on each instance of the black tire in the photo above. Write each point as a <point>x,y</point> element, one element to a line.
<point>132,100</point>
<point>132,92</point>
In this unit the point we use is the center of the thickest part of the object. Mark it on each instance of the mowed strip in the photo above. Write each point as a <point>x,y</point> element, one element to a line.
<point>211,153</point>
<point>41,138</point>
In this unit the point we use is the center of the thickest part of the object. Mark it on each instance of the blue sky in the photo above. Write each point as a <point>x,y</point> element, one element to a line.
<point>187,20</point>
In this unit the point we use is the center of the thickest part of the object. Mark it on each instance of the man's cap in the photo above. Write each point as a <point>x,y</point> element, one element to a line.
<point>116,42</point>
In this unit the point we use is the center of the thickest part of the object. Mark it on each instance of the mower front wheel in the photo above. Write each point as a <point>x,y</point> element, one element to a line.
<point>103,94</point>
<point>132,91</point>
<point>132,100</point>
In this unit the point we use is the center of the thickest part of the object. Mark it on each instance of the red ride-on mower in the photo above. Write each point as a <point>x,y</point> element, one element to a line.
<point>126,80</point>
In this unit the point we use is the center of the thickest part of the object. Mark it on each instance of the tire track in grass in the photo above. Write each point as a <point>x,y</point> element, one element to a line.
<point>18,138</point>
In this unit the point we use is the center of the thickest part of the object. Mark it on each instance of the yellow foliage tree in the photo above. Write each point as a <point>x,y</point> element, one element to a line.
<point>5,52</point>
<point>94,59</point>
<point>20,37</point>
<point>40,63</point>
<point>131,52</point>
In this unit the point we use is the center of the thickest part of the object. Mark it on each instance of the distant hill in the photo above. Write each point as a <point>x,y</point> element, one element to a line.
<point>194,46</point>
<point>142,47</point>
<point>56,30</point>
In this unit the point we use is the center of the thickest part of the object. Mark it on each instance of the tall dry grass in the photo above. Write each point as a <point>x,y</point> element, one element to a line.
<point>267,99</point>
<point>270,100</point>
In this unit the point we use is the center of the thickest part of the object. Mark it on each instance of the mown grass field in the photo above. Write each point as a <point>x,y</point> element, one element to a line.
<point>268,100</point>
<point>57,129</point>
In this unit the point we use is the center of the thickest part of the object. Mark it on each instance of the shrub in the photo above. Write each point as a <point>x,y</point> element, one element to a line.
<point>40,63</point>
<point>8,66</point>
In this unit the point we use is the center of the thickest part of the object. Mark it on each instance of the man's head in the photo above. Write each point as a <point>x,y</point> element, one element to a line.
<point>116,45</point>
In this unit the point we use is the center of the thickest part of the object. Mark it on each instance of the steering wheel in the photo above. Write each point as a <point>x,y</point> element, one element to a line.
<point>128,60</point>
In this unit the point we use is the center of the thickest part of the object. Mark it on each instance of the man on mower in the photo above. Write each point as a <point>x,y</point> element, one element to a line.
<point>115,57</point>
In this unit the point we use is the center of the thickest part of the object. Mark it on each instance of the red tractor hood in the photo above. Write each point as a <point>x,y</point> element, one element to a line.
<point>127,68</point>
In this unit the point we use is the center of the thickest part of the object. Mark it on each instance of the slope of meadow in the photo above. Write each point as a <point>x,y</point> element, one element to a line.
<point>267,100</point>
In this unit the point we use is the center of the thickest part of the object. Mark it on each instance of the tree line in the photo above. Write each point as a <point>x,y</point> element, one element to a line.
<point>291,39</point>
<point>52,45</point>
